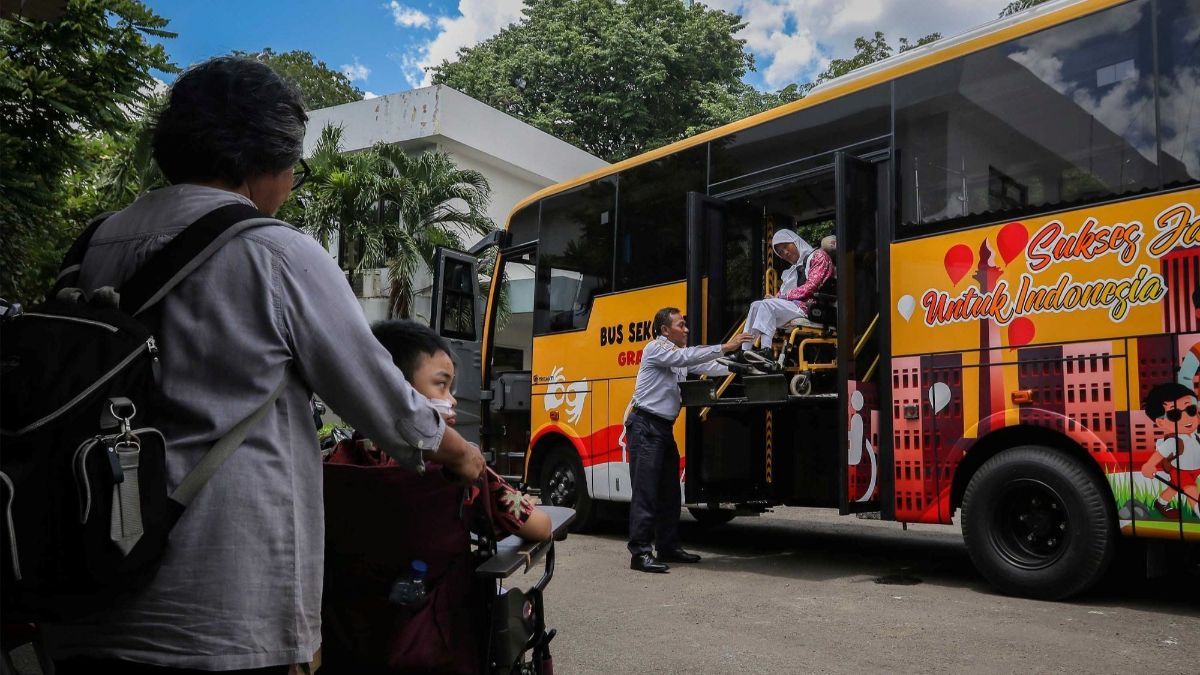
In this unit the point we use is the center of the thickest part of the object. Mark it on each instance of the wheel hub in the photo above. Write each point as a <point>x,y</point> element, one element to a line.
<point>1033,525</point>
<point>562,487</point>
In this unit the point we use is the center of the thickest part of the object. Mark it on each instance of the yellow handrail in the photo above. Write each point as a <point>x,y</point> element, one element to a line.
<point>862,342</point>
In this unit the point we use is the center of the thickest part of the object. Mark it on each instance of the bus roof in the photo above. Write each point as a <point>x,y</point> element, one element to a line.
<point>992,33</point>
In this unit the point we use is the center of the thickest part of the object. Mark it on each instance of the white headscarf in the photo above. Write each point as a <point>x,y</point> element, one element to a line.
<point>791,274</point>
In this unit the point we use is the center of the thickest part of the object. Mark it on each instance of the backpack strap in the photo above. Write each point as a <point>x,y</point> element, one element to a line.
<point>68,272</point>
<point>187,251</point>
<point>221,451</point>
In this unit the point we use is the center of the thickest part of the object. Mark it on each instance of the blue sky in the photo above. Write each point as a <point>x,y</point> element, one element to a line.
<point>384,44</point>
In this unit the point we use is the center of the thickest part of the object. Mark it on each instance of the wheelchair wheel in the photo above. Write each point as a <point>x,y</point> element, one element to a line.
<point>801,384</point>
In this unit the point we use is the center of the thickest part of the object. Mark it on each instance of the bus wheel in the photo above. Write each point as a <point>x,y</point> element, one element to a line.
<point>1038,524</point>
<point>711,517</point>
<point>563,483</point>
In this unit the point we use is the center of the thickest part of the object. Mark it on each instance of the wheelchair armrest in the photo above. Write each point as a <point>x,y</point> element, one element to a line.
<point>827,297</point>
<point>513,552</point>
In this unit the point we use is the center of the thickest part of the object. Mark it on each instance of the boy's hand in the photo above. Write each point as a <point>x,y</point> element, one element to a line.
<point>463,459</point>
<point>737,341</point>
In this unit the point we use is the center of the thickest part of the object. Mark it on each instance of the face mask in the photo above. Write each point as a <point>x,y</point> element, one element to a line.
<point>446,408</point>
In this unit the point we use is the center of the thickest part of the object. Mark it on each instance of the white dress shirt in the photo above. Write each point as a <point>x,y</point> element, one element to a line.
<point>663,367</point>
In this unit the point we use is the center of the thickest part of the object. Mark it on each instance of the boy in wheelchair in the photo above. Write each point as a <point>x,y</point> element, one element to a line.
<point>805,307</point>
<point>405,589</point>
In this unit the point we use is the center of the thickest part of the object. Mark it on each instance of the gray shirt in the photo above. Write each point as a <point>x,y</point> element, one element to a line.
<point>663,367</point>
<point>240,586</point>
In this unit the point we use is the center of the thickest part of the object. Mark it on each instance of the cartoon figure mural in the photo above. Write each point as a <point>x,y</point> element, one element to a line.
<point>573,395</point>
<point>1176,460</point>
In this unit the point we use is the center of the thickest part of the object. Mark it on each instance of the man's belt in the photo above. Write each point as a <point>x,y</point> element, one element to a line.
<point>642,412</point>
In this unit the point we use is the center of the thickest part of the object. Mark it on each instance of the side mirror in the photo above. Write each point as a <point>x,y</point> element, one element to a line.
<point>454,312</point>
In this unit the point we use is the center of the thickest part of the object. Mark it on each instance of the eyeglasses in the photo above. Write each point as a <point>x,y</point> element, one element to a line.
<point>298,177</point>
<point>1177,414</point>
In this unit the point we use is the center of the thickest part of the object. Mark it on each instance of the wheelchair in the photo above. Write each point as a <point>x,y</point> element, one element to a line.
<point>379,520</point>
<point>806,349</point>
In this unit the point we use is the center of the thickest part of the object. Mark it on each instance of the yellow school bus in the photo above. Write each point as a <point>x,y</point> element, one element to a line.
<point>1018,292</point>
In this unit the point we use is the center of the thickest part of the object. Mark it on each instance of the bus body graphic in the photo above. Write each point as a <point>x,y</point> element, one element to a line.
<point>1012,339</point>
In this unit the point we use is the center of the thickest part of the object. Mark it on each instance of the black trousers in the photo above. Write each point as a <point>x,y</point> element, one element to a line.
<point>654,471</point>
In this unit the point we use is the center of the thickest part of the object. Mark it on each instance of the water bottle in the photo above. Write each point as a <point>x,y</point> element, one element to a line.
<point>409,591</point>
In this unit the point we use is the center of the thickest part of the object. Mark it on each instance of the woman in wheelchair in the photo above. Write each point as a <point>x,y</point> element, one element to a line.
<point>803,299</point>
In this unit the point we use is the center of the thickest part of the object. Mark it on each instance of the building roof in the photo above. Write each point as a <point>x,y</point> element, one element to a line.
<point>445,117</point>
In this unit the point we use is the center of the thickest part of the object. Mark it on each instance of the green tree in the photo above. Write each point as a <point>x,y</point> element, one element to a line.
<point>614,78</point>
<point>63,84</point>
<point>388,208</point>
<point>1018,6</point>
<point>433,203</point>
<point>867,51</point>
<point>321,86</point>
<point>129,169</point>
<point>342,199</point>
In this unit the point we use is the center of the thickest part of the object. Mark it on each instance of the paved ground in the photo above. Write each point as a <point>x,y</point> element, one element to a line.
<point>798,590</point>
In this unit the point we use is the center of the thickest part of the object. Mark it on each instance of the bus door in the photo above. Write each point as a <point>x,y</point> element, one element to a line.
<point>864,372</point>
<point>724,450</point>
<point>456,317</point>
<point>506,423</point>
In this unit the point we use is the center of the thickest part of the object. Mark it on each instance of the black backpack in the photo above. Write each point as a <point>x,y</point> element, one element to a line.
<point>83,482</point>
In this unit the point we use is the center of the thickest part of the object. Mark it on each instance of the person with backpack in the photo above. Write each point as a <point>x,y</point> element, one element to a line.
<point>262,323</point>
<point>810,269</point>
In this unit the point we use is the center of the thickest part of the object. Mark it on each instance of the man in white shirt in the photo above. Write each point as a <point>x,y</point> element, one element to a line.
<point>653,454</point>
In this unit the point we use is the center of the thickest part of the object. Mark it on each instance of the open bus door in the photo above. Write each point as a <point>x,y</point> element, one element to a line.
<point>454,315</point>
<point>494,413</point>
<point>864,371</point>
<point>723,458</point>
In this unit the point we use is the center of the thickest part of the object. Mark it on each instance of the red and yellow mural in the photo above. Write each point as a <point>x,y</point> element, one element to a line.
<point>1084,322</point>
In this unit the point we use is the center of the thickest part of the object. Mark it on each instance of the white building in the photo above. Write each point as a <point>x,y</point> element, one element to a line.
<point>515,158</point>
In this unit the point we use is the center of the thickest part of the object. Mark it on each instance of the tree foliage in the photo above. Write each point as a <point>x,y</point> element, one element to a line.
<point>1018,6</point>
<point>63,84</point>
<point>612,77</point>
<point>868,50</point>
<point>389,208</point>
<point>321,86</point>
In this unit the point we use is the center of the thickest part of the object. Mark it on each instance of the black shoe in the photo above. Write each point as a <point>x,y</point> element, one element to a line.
<point>761,360</point>
<point>739,368</point>
<point>678,556</point>
<point>645,562</point>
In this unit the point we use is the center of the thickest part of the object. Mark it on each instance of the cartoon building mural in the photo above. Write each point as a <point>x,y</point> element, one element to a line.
<point>1083,323</point>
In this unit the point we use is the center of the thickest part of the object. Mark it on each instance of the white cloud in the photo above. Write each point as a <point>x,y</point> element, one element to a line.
<point>793,40</point>
<point>476,21</point>
<point>355,71</point>
<point>368,95</point>
<point>407,17</point>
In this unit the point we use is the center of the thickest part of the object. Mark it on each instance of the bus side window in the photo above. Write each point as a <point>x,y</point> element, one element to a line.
<point>1060,117</point>
<point>574,256</point>
<point>1179,91</point>
<point>652,218</point>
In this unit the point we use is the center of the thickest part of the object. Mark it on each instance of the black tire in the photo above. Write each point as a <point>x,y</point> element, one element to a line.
<point>563,483</point>
<point>711,517</point>
<point>1038,523</point>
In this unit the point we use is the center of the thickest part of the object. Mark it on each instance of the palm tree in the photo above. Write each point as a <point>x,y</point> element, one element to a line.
<point>131,170</point>
<point>388,207</point>
<point>434,204</point>
<point>342,198</point>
